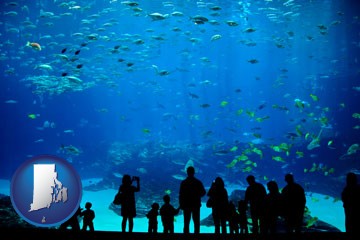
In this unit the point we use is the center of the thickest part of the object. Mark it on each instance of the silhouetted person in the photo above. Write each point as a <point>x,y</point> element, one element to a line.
<point>128,207</point>
<point>152,216</point>
<point>190,194</point>
<point>233,219</point>
<point>350,197</point>
<point>255,196</point>
<point>89,216</point>
<point>294,200</point>
<point>273,207</point>
<point>243,221</point>
<point>72,222</point>
<point>167,213</point>
<point>220,204</point>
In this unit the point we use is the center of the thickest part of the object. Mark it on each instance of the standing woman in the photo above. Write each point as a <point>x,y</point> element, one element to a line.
<point>220,204</point>
<point>128,207</point>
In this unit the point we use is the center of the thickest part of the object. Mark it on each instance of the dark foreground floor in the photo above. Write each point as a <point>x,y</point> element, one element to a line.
<point>54,234</point>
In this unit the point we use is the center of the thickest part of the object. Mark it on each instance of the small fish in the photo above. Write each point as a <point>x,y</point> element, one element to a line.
<point>193,95</point>
<point>205,105</point>
<point>278,159</point>
<point>247,169</point>
<point>233,149</point>
<point>216,37</point>
<point>249,30</point>
<point>163,72</point>
<point>77,52</point>
<point>79,66</point>
<point>70,149</point>
<point>221,152</point>
<point>299,154</point>
<point>34,45</point>
<point>224,103</point>
<point>238,90</point>
<point>178,177</point>
<point>314,97</point>
<point>253,61</point>
<point>232,23</point>
<point>146,130</point>
<point>356,115</point>
<point>232,164</point>
<point>64,50</point>
<point>262,106</point>
<point>32,116</point>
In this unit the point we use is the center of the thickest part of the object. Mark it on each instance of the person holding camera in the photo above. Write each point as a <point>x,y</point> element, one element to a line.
<point>220,204</point>
<point>128,206</point>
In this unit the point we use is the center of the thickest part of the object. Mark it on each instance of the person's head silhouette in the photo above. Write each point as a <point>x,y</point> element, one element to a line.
<point>126,180</point>
<point>88,205</point>
<point>219,182</point>
<point>272,186</point>
<point>155,206</point>
<point>351,178</point>
<point>250,179</point>
<point>166,198</point>
<point>289,178</point>
<point>190,171</point>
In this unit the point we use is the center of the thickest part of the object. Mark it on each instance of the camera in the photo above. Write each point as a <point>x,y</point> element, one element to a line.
<point>135,178</point>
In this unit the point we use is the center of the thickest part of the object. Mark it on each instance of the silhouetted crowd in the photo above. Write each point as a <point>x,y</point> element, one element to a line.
<point>264,208</point>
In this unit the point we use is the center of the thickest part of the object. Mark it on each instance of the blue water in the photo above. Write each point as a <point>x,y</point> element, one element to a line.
<point>144,96</point>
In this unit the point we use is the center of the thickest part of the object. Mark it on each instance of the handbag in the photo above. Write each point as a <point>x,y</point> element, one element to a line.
<point>210,202</point>
<point>118,198</point>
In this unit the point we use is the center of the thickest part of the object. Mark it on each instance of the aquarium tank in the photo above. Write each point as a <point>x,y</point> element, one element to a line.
<point>148,88</point>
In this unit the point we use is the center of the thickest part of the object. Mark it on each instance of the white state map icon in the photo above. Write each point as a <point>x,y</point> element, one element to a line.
<point>47,188</point>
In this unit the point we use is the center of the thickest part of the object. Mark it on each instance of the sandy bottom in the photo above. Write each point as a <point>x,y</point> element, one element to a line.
<point>325,208</point>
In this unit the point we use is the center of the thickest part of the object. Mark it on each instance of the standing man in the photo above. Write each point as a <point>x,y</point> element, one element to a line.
<point>350,197</point>
<point>294,200</point>
<point>191,192</point>
<point>255,196</point>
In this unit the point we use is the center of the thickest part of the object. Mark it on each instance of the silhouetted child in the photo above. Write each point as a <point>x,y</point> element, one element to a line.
<point>152,216</point>
<point>89,216</point>
<point>233,219</point>
<point>242,208</point>
<point>167,213</point>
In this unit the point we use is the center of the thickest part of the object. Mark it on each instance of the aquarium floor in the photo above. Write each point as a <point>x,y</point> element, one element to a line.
<point>54,234</point>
